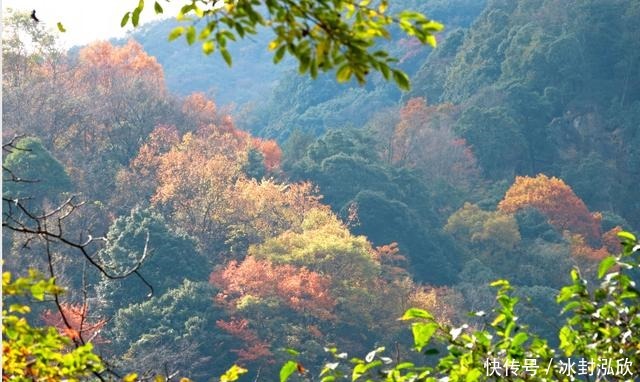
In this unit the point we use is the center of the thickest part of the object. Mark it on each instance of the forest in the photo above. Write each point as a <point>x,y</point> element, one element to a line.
<point>169,217</point>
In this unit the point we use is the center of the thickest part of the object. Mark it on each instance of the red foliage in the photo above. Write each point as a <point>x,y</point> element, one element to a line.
<point>254,348</point>
<point>271,152</point>
<point>79,324</point>
<point>556,200</point>
<point>298,288</point>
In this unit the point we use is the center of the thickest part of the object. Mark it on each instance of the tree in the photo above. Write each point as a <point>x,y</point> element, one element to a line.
<point>167,250</point>
<point>424,140</point>
<point>32,173</point>
<point>319,35</point>
<point>556,200</point>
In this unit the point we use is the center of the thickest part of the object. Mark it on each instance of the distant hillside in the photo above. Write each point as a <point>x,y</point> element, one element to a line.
<point>187,69</point>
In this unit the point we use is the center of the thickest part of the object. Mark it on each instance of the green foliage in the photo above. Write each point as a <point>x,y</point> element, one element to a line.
<point>321,36</point>
<point>164,330</point>
<point>496,230</point>
<point>167,252</point>
<point>40,175</point>
<point>254,168</point>
<point>393,205</point>
<point>30,353</point>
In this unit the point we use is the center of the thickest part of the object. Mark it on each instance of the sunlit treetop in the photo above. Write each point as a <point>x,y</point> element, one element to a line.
<point>322,35</point>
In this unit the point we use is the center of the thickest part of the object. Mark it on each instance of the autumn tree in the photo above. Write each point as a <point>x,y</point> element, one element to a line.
<point>260,296</point>
<point>201,182</point>
<point>556,200</point>
<point>424,139</point>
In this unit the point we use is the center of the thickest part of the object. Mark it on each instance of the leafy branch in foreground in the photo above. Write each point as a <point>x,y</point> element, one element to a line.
<point>600,339</point>
<point>31,353</point>
<point>321,35</point>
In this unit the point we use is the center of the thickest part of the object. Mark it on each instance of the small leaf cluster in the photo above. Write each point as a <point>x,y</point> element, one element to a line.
<point>320,35</point>
<point>31,353</point>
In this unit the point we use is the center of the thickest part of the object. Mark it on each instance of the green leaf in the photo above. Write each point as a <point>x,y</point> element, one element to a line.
<point>605,265</point>
<point>191,35</point>
<point>37,290</point>
<point>344,73</point>
<point>422,333</point>
<point>416,313</point>
<point>61,27</point>
<point>175,33</point>
<point>157,7</point>
<point>624,235</point>
<point>226,55</point>
<point>135,16</point>
<point>519,339</point>
<point>402,80</point>
<point>125,19</point>
<point>293,352</point>
<point>287,369</point>
<point>279,54</point>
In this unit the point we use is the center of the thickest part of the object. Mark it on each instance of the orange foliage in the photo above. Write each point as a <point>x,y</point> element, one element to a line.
<point>581,250</point>
<point>201,180</point>
<point>424,140</point>
<point>556,200</point>
<point>102,63</point>
<point>79,324</point>
<point>200,109</point>
<point>297,287</point>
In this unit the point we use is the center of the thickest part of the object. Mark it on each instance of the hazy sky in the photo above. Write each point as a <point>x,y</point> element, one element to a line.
<point>87,20</point>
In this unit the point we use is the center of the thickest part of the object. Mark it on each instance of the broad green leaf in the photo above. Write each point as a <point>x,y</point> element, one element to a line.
<point>402,80</point>
<point>175,33</point>
<point>422,333</point>
<point>157,7</point>
<point>279,54</point>
<point>519,339</point>
<point>416,313</point>
<point>191,35</point>
<point>344,73</point>
<point>287,369</point>
<point>135,16</point>
<point>627,235</point>
<point>605,265</point>
<point>233,374</point>
<point>125,19</point>
<point>226,55</point>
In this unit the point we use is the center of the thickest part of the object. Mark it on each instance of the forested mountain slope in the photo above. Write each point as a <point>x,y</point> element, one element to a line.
<point>315,213</point>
